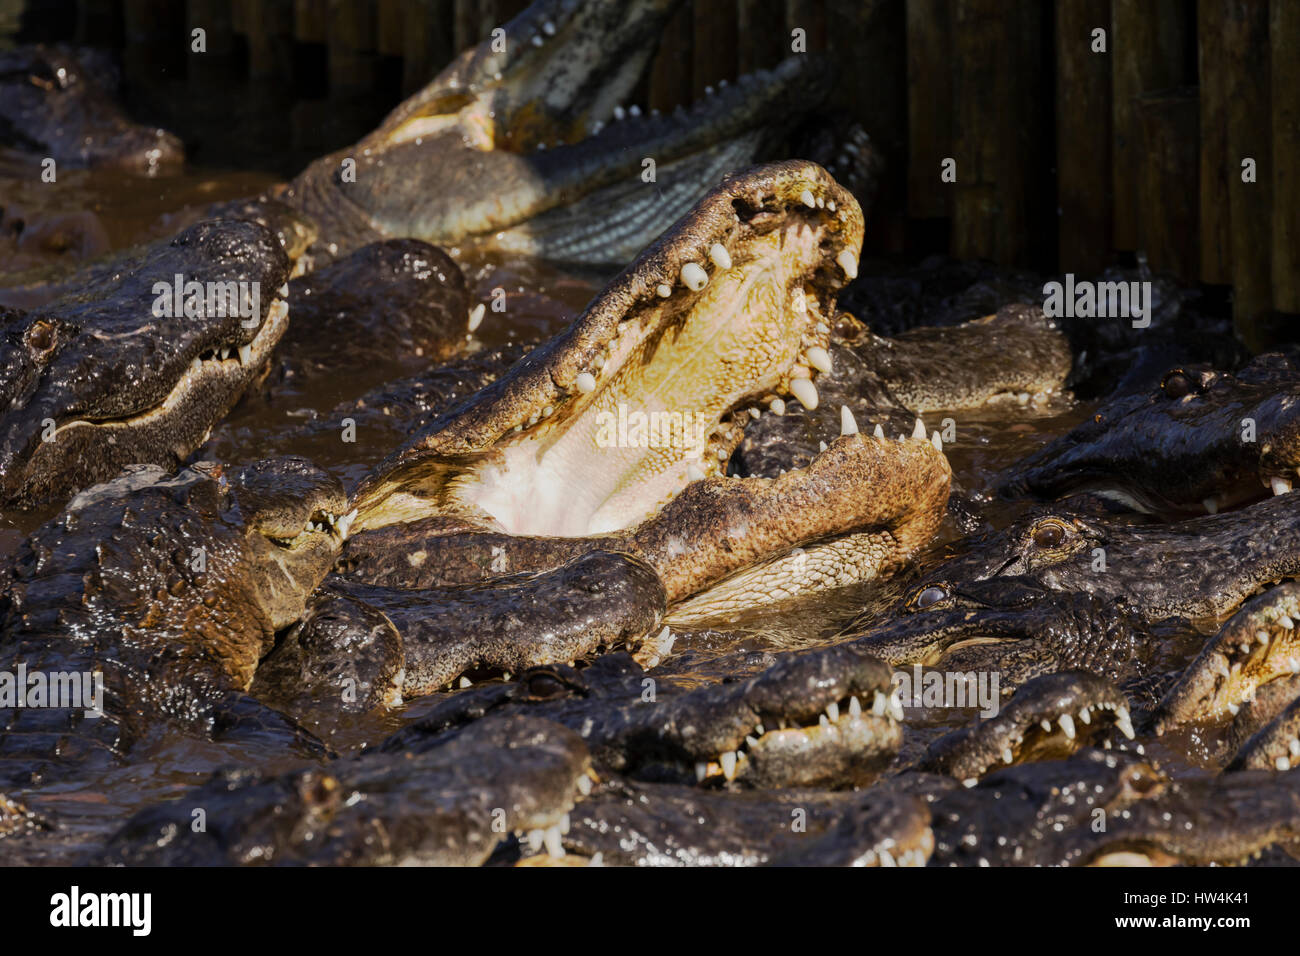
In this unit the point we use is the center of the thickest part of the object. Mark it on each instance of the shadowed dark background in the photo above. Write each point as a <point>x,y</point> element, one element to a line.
<point>1068,158</point>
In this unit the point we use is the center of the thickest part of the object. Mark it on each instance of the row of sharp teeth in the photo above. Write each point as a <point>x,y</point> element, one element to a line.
<point>243,353</point>
<point>339,524</point>
<point>1066,722</point>
<point>882,857</point>
<point>1285,763</point>
<point>1222,668</point>
<point>552,837</point>
<point>1277,484</point>
<point>882,705</point>
<point>695,278</point>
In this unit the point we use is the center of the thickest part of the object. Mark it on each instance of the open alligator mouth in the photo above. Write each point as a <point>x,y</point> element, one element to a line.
<point>1259,644</point>
<point>650,388</point>
<point>334,526</point>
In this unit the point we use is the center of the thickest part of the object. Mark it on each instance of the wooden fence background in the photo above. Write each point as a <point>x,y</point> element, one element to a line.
<point>1067,158</point>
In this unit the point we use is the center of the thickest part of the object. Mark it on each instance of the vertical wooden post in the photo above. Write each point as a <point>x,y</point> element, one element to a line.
<point>1212,82</point>
<point>1285,66</point>
<point>1149,39</point>
<point>714,54</point>
<point>761,41</point>
<point>670,74</point>
<point>929,107</point>
<point>269,32</point>
<point>1083,115</point>
<point>1246,47</point>
<point>1167,208</point>
<point>426,42</point>
<point>1000,129</point>
<point>351,44</point>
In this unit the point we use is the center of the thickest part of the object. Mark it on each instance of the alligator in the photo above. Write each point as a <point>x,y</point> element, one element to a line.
<point>1013,358</point>
<point>133,369</point>
<point>159,594</point>
<point>448,801</point>
<point>816,718</point>
<point>520,144</point>
<point>1202,441</point>
<point>542,466</point>
<point>57,103</point>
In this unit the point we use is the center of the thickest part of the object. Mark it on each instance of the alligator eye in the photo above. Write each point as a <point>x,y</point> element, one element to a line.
<point>40,337</point>
<point>1050,534</point>
<point>930,596</point>
<point>544,686</point>
<point>1176,384</point>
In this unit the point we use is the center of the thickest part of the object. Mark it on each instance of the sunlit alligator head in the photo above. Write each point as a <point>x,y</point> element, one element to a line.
<point>140,364</point>
<point>621,426</point>
<point>521,144</point>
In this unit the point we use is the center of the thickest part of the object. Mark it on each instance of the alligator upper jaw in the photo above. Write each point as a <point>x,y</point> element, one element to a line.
<point>596,430</point>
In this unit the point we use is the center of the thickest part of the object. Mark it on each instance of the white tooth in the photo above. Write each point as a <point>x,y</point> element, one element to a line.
<point>597,860</point>
<point>586,383</point>
<point>728,761</point>
<point>1294,746</point>
<point>1283,764</point>
<point>1046,724</point>
<point>833,711</point>
<point>849,263</point>
<point>584,785</point>
<point>701,771</point>
<point>887,859</point>
<point>855,706</point>
<point>751,742</point>
<point>936,441</point>
<point>548,28</point>
<point>720,256</point>
<point>848,424</point>
<point>1067,724</point>
<point>895,707</point>
<point>1123,722</point>
<point>758,729</point>
<point>196,364</point>
<point>537,41</point>
<point>1233,708</point>
<point>284,291</point>
<point>694,277</point>
<point>822,446</point>
<point>1211,505</point>
<point>465,682</point>
<point>1280,486</point>
<point>804,390</point>
<point>819,359</point>
<point>879,433</point>
<point>565,824</point>
<point>831,205</point>
<point>694,472</point>
<point>245,354</point>
<point>535,839</point>
<point>880,705</point>
<point>1086,715</point>
<point>919,430</point>
<point>1007,755</point>
<point>225,354</point>
<point>554,848</point>
<point>619,112</point>
<point>1285,621</point>
<point>754,413</point>
<point>822,721</point>
<point>664,290</point>
<point>821,203</point>
<point>1262,637</point>
<point>476,316</point>
<point>806,197</point>
<point>778,406</point>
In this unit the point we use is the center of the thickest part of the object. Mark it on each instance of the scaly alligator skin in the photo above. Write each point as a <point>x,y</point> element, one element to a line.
<point>520,144</point>
<point>816,718</point>
<point>445,801</point>
<point>1203,440</point>
<point>53,103</point>
<point>171,589</point>
<point>96,380</point>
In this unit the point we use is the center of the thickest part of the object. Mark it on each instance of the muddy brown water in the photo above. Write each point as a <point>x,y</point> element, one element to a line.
<point>540,301</point>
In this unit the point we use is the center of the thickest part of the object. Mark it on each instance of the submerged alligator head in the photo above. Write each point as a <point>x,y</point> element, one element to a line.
<point>820,717</point>
<point>52,104</point>
<point>521,144</point>
<point>1204,440</point>
<point>133,369</point>
<point>170,589</point>
<point>615,433</point>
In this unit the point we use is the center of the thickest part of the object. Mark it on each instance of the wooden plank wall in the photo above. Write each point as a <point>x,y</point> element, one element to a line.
<point>1073,149</point>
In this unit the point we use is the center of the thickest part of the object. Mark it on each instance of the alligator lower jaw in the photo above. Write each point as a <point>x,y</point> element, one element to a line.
<point>595,431</point>
<point>847,746</point>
